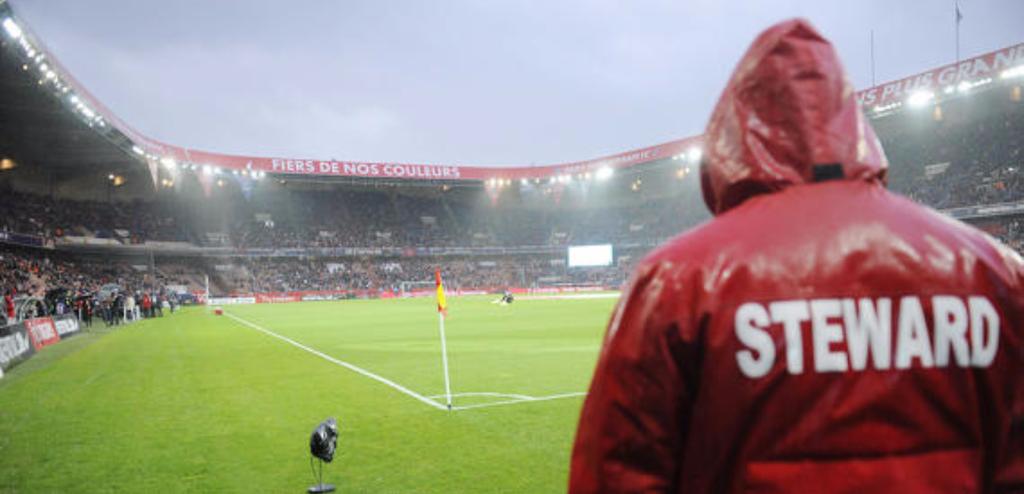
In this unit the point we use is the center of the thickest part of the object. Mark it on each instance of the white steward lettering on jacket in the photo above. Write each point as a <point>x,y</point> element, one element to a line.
<point>848,334</point>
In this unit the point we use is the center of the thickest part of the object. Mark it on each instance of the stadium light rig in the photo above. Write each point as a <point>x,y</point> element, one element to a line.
<point>12,28</point>
<point>168,162</point>
<point>1014,72</point>
<point>966,86</point>
<point>920,98</point>
<point>694,154</point>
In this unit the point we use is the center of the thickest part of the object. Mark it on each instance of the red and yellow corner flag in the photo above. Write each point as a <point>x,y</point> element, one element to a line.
<point>442,304</point>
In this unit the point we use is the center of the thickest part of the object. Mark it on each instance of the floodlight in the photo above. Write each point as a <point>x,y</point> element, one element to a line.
<point>12,28</point>
<point>168,162</point>
<point>920,98</point>
<point>524,182</point>
<point>322,445</point>
<point>1010,73</point>
<point>694,154</point>
<point>207,170</point>
<point>604,173</point>
<point>138,150</point>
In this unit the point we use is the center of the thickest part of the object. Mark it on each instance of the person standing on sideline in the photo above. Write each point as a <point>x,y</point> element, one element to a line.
<point>820,334</point>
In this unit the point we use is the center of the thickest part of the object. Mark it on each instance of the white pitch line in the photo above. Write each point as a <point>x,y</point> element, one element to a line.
<point>342,363</point>
<point>485,393</point>
<point>527,400</point>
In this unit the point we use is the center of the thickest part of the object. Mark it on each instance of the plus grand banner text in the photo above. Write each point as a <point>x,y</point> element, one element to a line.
<point>947,77</point>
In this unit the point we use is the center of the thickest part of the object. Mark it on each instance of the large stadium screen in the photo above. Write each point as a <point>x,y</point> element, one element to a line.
<point>590,255</point>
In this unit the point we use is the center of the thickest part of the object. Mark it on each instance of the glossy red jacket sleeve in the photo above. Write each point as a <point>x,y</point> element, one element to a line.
<point>632,428</point>
<point>1009,475</point>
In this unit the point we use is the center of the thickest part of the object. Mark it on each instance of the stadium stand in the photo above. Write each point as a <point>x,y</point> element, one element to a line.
<point>86,202</point>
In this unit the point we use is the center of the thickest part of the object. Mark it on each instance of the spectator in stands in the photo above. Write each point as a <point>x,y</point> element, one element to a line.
<point>9,305</point>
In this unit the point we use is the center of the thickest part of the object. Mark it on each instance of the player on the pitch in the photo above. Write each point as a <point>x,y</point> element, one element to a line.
<point>506,298</point>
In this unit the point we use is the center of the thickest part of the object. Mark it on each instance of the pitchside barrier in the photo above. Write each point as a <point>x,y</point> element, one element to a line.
<point>318,295</point>
<point>19,342</point>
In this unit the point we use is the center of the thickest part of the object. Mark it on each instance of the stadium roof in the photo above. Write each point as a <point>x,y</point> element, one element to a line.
<point>37,98</point>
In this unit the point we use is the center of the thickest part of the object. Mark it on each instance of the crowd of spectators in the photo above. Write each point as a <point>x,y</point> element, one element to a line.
<point>377,220</point>
<point>36,272</point>
<point>53,218</point>
<point>972,158</point>
<point>405,274</point>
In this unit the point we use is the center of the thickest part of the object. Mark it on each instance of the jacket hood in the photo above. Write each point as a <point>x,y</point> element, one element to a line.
<point>788,116</point>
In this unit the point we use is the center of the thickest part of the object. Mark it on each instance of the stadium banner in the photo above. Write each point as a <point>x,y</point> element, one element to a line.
<point>42,332</point>
<point>277,298</point>
<point>986,211</point>
<point>246,166</point>
<point>946,78</point>
<point>232,300</point>
<point>21,239</point>
<point>66,325</point>
<point>321,295</point>
<point>15,346</point>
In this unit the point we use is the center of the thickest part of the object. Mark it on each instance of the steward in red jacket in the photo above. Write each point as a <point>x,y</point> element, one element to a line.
<point>821,334</point>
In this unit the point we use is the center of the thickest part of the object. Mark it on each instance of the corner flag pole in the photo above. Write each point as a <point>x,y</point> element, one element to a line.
<point>442,308</point>
<point>444,363</point>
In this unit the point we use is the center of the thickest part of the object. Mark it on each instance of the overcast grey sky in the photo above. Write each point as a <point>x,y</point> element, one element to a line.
<point>461,81</point>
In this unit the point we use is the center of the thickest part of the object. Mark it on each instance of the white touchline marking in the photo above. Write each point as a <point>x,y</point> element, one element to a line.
<point>525,400</point>
<point>342,363</point>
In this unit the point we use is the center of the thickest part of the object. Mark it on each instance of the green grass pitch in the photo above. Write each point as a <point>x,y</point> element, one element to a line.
<point>195,402</point>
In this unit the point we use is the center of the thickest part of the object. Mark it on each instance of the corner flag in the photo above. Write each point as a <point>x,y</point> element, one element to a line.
<point>442,304</point>
<point>442,310</point>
